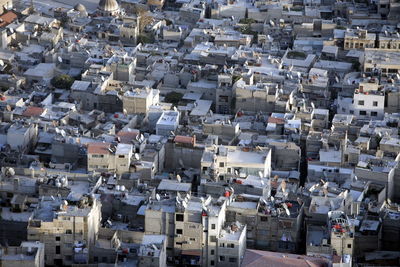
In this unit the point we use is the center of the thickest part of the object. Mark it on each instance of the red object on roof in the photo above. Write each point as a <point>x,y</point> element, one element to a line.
<point>7,18</point>
<point>3,98</point>
<point>276,120</point>
<point>184,139</point>
<point>33,111</point>
<point>98,148</point>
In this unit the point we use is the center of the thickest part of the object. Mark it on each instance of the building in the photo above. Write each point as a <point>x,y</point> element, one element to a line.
<point>358,39</point>
<point>28,254</point>
<point>167,123</point>
<point>68,229</point>
<point>140,100</point>
<point>101,157</point>
<point>222,163</point>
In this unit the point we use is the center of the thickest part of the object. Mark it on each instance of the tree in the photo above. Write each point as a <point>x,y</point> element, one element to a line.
<point>62,81</point>
<point>173,97</point>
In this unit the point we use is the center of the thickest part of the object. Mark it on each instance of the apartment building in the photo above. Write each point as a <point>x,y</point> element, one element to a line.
<point>139,100</point>
<point>366,103</point>
<point>68,229</point>
<point>358,39</point>
<point>221,163</point>
<point>100,157</point>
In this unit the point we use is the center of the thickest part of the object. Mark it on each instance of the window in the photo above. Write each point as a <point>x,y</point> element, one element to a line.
<point>179,231</point>
<point>374,113</point>
<point>231,245</point>
<point>375,103</point>
<point>212,263</point>
<point>212,252</point>
<point>192,239</point>
<point>121,156</point>
<point>179,217</point>
<point>222,245</point>
<point>351,111</point>
<point>213,226</point>
<point>361,102</point>
<point>213,238</point>
<point>232,259</point>
<point>348,245</point>
<point>229,170</point>
<point>221,258</point>
<point>95,259</point>
<point>58,238</point>
<point>68,232</point>
<point>68,258</point>
<point>264,219</point>
<point>58,249</point>
<point>104,260</point>
<point>363,112</point>
<point>221,164</point>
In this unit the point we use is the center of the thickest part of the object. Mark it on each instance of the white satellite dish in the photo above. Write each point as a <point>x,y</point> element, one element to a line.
<point>260,174</point>
<point>11,30</point>
<point>172,133</point>
<point>59,59</point>
<point>236,172</point>
<point>175,109</point>
<point>181,162</point>
<point>178,177</point>
<point>102,78</point>
<point>1,62</point>
<point>158,197</point>
<point>137,156</point>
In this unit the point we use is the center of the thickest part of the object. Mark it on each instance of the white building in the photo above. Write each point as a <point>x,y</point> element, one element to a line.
<point>169,121</point>
<point>226,162</point>
<point>367,103</point>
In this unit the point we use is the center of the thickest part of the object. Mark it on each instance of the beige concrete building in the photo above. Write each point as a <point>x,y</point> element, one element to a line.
<point>255,98</point>
<point>100,157</point>
<point>140,100</point>
<point>381,61</point>
<point>67,229</point>
<point>358,39</point>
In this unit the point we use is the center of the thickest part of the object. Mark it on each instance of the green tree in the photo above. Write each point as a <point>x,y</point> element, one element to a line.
<point>62,81</point>
<point>173,97</point>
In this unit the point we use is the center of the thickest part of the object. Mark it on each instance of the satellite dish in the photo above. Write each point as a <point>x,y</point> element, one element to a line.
<point>1,62</point>
<point>236,172</point>
<point>137,156</point>
<point>172,133</point>
<point>178,177</point>
<point>102,78</point>
<point>181,162</point>
<point>59,59</point>
<point>11,30</point>
<point>158,197</point>
<point>260,174</point>
<point>175,109</point>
